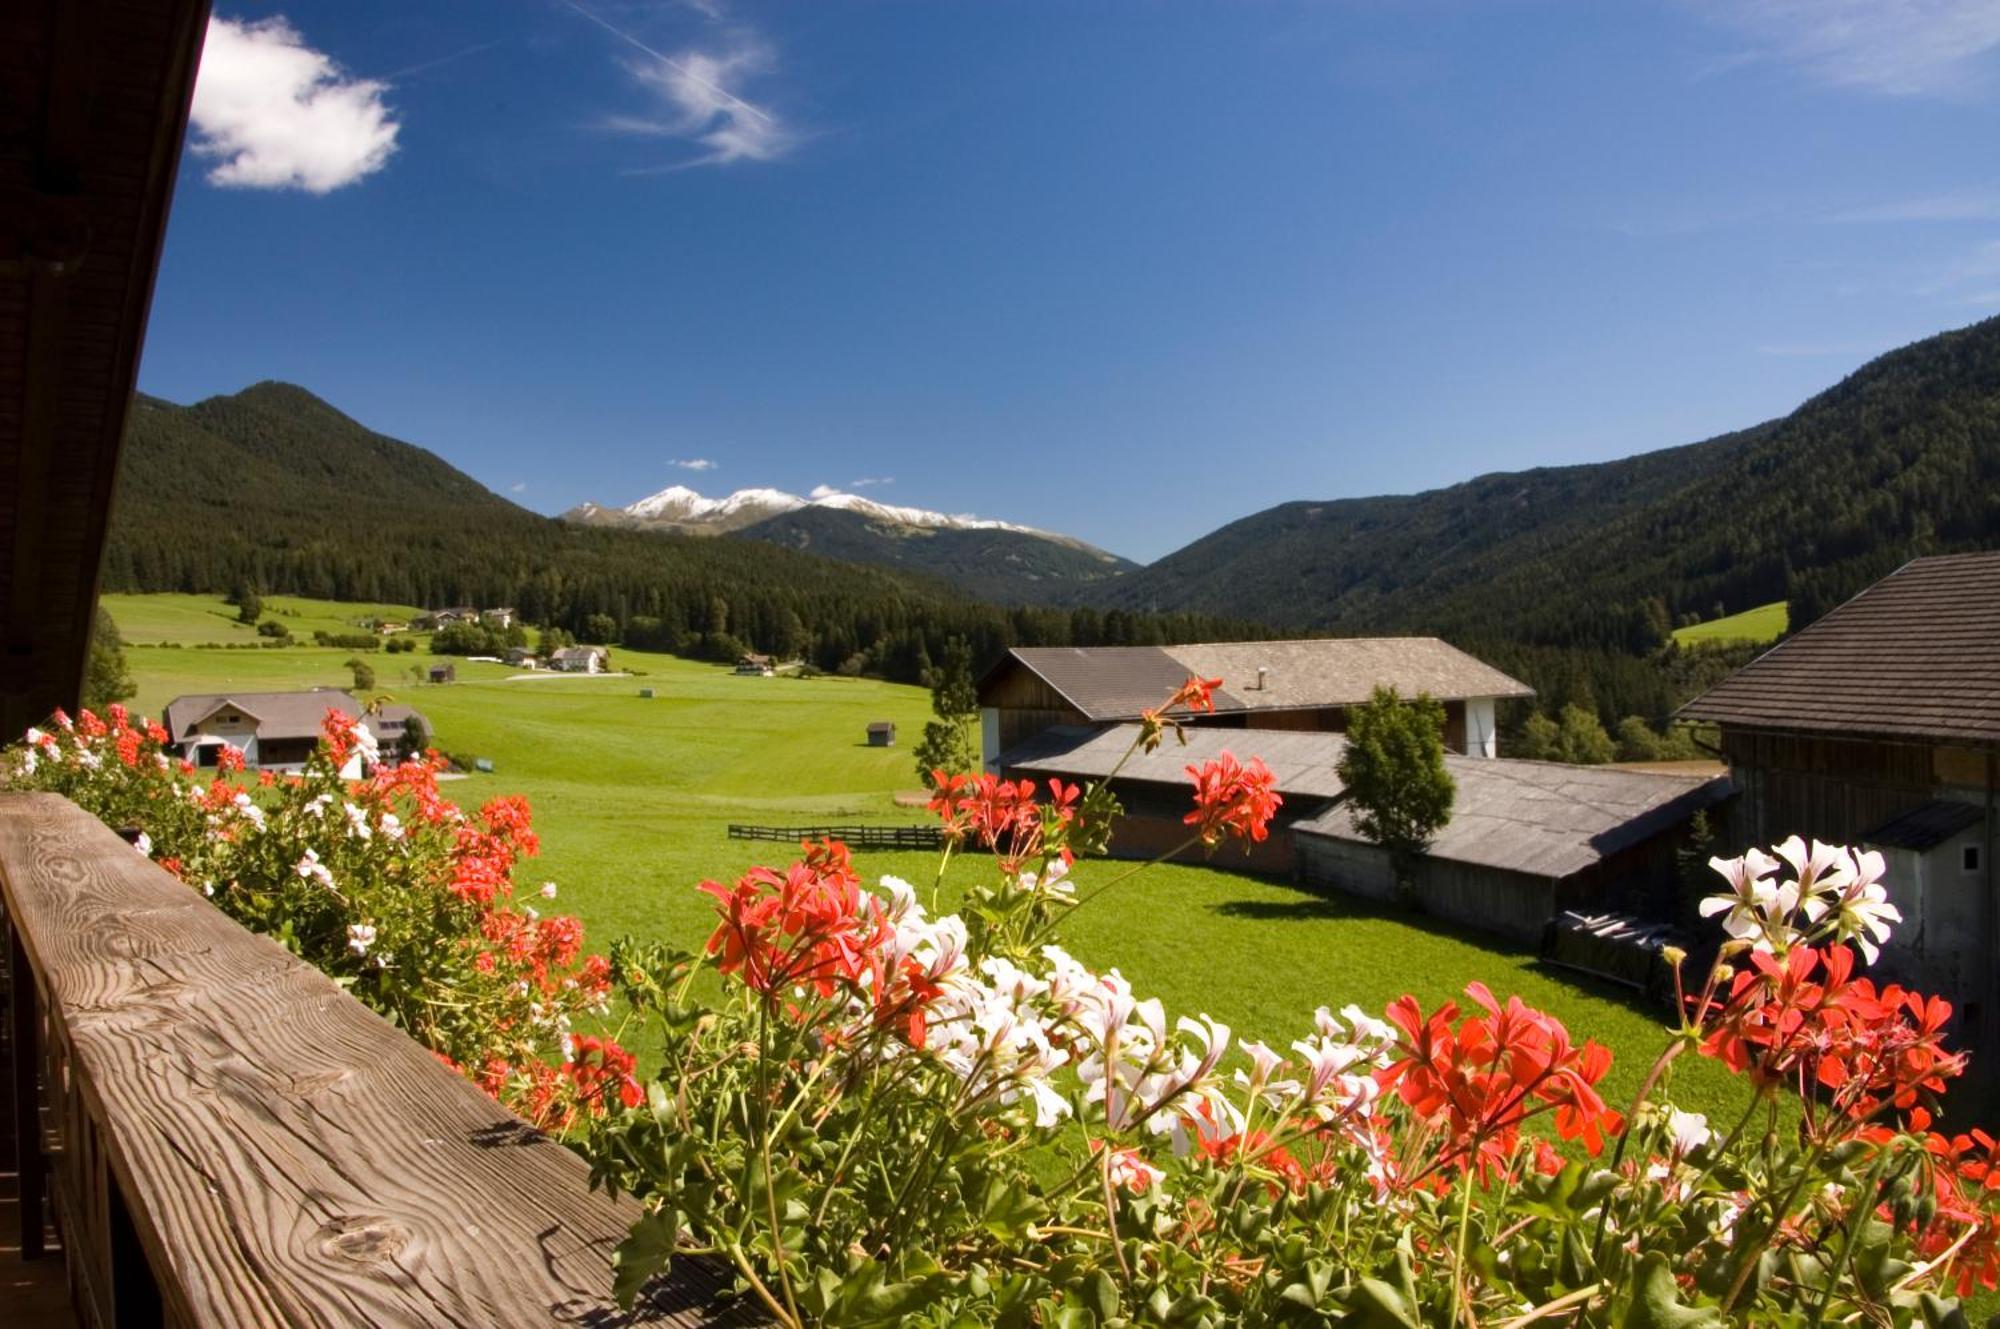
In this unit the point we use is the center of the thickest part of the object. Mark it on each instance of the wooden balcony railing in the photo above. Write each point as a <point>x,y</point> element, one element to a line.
<point>230,1139</point>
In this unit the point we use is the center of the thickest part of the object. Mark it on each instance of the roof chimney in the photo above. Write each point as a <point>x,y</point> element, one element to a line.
<point>1262,674</point>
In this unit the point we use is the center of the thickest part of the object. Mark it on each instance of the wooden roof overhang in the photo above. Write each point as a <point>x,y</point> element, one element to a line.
<point>94,99</point>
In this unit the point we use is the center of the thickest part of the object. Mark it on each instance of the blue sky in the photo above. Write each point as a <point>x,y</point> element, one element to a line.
<point>1127,271</point>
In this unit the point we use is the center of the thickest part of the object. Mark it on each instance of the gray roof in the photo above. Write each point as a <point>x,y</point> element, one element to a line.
<point>1118,682</point>
<point>1303,763</point>
<point>1539,817</point>
<point>577,652</point>
<point>1926,827</point>
<point>1915,655</point>
<point>1546,818</point>
<point>278,714</point>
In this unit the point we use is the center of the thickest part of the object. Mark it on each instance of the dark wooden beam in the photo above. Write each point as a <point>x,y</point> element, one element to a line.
<point>94,98</point>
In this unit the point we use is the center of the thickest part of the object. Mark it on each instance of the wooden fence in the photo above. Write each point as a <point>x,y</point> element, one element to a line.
<point>855,837</point>
<point>227,1138</point>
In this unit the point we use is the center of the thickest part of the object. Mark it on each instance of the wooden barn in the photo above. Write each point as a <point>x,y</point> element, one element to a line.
<point>1880,725</point>
<point>1527,840</point>
<point>1300,686</point>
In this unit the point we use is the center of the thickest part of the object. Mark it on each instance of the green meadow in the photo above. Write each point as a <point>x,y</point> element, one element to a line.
<point>1764,623</point>
<point>633,796</point>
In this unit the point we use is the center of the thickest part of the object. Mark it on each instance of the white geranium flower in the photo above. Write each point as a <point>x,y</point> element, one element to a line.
<point>311,869</point>
<point>1688,1130</point>
<point>360,936</point>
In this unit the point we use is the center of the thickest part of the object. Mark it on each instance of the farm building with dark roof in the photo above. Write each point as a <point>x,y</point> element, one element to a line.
<point>1880,725</point>
<point>1303,686</point>
<point>1526,838</point>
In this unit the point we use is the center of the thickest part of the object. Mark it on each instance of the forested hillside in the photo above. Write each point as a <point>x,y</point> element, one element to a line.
<point>1902,458</point>
<point>274,489</point>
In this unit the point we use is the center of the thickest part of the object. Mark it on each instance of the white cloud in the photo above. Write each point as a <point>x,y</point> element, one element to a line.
<point>692,463</point>
<point>822,491</point>
<point>275,114</point>
<point>866,481</point>
<point>1899,47</point>
<point>518,487</point>
<point>699,101</point>
<point>700,98</point>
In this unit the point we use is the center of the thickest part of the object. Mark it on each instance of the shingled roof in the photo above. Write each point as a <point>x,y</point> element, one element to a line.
<point>278,714</point>
<point>1303,763</point>
<point>1118,682</point>
<point>1537,817</point>
<point>1545,818</point>
<point>1915,655</point>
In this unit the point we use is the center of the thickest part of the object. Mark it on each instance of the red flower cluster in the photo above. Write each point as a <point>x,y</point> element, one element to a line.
<point>1193,695</point>
<point>1003,816</point>
<point>1805,1018</point>
<point>810,926</point>
<point>1232,800</point>
<point>1481,1080</point>
<point>599,1068</point>
<point>484,853</point>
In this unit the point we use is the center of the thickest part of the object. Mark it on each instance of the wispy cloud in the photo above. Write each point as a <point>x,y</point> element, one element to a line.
<point>1897,47</point>
<point>1968,205</point>
<point>699,97</point>
<point>692,463</point>
<point>870,480</point>
<point>273,113</point>
<point>518,487</point>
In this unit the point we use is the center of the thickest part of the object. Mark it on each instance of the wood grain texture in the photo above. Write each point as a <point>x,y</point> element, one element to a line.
<point>287,1157</point>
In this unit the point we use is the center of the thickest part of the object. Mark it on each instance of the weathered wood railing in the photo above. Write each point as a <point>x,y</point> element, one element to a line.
<point>855,837</point>
<point>230,1139</point>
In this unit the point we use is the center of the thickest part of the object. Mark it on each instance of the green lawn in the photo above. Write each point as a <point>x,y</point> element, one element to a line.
<point>632,797</point>
<point>1764,623</point>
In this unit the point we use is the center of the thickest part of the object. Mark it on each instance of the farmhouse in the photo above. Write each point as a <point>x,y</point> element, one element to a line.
<point>580,660</point>
<point>1880,725</point>
<point>455,614</point>
<point>762,666</point>
<point>1267,685</point>
<point>1526,838</point>
<point>497,618</point>
<point>274,730</point>
<point>522,658</point>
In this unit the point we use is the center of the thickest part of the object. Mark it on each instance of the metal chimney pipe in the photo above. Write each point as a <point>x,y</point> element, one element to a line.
<point>1262,674</point>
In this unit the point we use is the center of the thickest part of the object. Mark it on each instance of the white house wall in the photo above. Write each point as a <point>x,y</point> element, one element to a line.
<point>1482,732</point>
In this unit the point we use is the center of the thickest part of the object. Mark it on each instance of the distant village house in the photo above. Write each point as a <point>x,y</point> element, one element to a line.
<point>581,660</point>
<point>760,665</point>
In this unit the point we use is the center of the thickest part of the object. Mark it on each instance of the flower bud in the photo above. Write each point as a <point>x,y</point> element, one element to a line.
<point>1674,955</point>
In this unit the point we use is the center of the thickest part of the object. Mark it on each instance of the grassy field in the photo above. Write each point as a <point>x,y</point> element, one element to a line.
<point>632,798</point>
<point>1764,623</point>
<point>205,619</point>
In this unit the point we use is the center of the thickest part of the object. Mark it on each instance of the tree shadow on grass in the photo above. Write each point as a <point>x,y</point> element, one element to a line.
<point>1302,905</point>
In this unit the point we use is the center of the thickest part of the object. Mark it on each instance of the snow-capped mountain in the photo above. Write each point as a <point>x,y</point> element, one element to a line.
<point>998,561</point>
<point>682,508</point>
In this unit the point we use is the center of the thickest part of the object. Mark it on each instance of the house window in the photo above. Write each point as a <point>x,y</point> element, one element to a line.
<point>1968,858</point>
